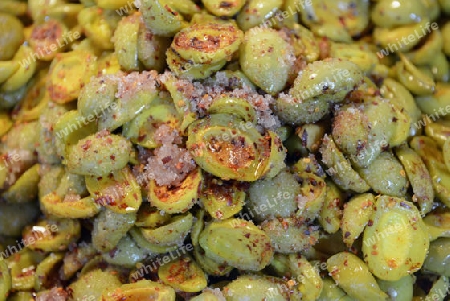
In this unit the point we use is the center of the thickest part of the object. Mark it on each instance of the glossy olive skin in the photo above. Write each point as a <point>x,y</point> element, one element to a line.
<point>389,14</point>
<point>438,259</point>
<point>11,36</point>
<point>353,276</point>
<point>252,288</point>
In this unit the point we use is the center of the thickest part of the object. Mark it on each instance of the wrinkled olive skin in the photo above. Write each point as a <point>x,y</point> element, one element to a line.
<point>11,36</point>
<point>265,58</point>
<point>237,242</point>
<point>396,243</point>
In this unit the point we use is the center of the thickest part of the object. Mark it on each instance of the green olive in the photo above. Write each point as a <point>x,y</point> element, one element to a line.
<point>112,151</point>
<point>91,284</point>
<point>433,158</point>
<point>183,274</point>
<point>257,12</point>
<point>265,57</point>
<point>222,199</point>
<point>52,235</point>
<point>19,78</point>
<point>143,289</point>
<point>356,216</point>
<point>389,38</point>
<point>386,175</point>
<point>438,224</point>
<point>222,8</point>
<point>397,92</point>
<point>290,235</point>
<point>439,131</point>
<point>273,198</point>
<point>176,199</point>
<point>238,243</point>
<point>126,43</point>
<point>151,49</point>
<point>151,217</point>
<point>11,37</point>
<point>117,191</point>
<point>68,73</point>
<point>445,36</point>
<point>141,130</point>
<point>401,290</point>
<point>388,13</point>
<point>331,213</point>
<point>126,253</point>
<point>20,281</point>
<point>5,280</point>
<point>354,277</point>
<point>235,106</point>
<point>97,26</point>
<point>396,242</point>
<point>161,17</point>
<point>438,260</point>
<point>254,288</point>
<point>45,268</point>
<point>326,18</point>
<point>418,176</point>
<point>213,42</point>
<point>415,80</point>
<point>173,233</point>
<point>432,104</point>
<point>316,83</point>
<point>45,37</point>
<point>296,111</point>
<point>340,169</point>
<point>224,146</point>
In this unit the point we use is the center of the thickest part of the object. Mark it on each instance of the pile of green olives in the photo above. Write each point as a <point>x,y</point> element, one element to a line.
<point>230,150</point>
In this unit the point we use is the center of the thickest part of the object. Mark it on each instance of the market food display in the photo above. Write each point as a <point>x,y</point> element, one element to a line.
<point>224,150</point>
